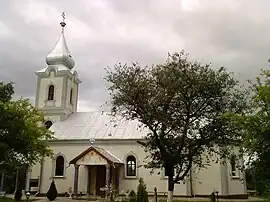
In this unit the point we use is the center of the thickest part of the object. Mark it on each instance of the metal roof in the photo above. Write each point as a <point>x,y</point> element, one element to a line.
<point>103,152</point>
<point>97,125</point>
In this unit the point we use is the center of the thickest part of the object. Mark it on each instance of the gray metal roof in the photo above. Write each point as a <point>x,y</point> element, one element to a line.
<point>97,125</point>
<point>108,155</point>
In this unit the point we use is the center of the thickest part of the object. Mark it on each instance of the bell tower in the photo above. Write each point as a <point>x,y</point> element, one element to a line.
<point>58,83</point>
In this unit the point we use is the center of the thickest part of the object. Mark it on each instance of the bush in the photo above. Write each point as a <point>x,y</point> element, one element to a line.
<point>132,196</point>
<point>142,195</point>
<point>52,192</point>
<point>18,195</point>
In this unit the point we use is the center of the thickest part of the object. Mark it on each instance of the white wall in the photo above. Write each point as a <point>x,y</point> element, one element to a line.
<point>203,181</point>
<point>44,86</point>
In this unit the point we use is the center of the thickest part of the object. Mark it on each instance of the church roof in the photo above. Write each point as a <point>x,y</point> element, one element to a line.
<point>60,55</point>
<point>98,126</point>
<point>102,152</point>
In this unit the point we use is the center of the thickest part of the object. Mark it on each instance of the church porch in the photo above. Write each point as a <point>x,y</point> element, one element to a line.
<point>102,170</point>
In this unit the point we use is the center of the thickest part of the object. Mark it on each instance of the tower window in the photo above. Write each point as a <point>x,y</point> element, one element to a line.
<point>51,92</point>
<point>59,166</point>
<point>71,96</point>
<point>48,124</point>
<point>131,166</point>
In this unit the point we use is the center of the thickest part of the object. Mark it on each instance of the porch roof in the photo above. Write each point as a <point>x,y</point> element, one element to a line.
<point>100,151</point>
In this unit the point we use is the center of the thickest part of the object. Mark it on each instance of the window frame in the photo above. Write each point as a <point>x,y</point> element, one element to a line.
<point>51,92</point>
<point>233,167</point>
<point>127,165</point>
<point>55,167</point>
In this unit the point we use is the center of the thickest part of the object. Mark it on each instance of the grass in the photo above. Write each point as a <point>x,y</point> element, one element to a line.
<point>6,199</point>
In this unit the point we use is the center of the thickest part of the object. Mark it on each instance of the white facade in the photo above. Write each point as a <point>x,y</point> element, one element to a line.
<point>107,159</point>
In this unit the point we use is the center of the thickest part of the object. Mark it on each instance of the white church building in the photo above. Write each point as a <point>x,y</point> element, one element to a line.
<point>91,152</point>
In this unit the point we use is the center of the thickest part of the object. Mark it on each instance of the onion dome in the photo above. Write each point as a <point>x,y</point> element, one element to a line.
<point>60,53</point>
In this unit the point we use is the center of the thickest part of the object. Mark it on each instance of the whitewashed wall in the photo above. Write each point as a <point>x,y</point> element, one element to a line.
<point>203,181</point>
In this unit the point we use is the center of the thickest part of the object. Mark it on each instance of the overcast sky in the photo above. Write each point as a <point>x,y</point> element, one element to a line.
<point>100,33</point>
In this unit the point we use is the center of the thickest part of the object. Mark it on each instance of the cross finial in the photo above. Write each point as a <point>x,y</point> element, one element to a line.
<point>63,16</point>
<point>63,24</point>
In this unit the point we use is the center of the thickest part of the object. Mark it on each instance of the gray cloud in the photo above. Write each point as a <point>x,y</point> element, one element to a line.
<point>100,33</point>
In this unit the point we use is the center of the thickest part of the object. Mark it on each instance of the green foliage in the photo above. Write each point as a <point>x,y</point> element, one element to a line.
<point>142,195</point>
<point>23,137</point>
<point>132,196</point>
<point>185,107</point>
<point>52,192</point>
<point>255,128</point>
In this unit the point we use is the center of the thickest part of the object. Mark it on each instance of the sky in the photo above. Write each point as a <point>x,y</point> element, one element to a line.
<point>100,33</point>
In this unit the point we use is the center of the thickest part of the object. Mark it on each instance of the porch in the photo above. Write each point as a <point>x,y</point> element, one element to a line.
<point>102,170</point>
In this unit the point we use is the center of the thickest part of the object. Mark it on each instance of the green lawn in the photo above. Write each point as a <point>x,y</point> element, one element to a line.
<point>5,199</point>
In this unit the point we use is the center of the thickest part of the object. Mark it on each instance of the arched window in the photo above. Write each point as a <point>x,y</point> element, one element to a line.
<point>51,92</point>
<point>48,124</point>
<point>71,96</point>
<point>233,166</point>
<point>59,166</point>
<point>131,166</point>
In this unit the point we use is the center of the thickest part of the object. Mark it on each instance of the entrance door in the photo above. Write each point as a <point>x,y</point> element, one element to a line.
<point>100,180</point>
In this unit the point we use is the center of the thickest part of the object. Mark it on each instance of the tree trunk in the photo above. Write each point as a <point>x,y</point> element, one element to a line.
<point>170,188</point>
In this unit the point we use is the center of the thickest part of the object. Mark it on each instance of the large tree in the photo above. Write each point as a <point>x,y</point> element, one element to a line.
<point>184,104</point>
<point>255,128</point>
<point>23,136</point>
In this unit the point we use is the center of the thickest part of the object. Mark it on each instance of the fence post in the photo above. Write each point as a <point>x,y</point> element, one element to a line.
<point>155,194</point>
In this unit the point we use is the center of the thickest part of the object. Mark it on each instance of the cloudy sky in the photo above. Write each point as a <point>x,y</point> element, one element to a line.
<point>100,33</point>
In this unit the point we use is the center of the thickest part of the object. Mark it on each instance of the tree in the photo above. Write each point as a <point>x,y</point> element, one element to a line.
<point>255,128</point>
<point>142,195</point>
<point>23,136</point>
<point>52,192</point>
<point>132,196</point>
<point>184,106</point>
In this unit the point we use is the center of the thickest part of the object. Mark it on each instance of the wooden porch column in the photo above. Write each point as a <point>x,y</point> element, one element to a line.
<point>89,180</point>
<point>2,181</point>
<point>108,179</point>
<point>76,176</point>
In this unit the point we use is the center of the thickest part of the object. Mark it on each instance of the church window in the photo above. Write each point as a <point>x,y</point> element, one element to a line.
<point>71,96</point>
<point>131,166</point>
<point>59,166</point>
<point>48,124</point>
<point>233,166</point>
<point>51,92</point>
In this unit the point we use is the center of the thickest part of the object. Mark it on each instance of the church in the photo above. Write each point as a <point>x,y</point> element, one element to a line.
<point>91,153</point>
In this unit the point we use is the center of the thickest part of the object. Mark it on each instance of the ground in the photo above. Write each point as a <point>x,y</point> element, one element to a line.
<point>59,199</point>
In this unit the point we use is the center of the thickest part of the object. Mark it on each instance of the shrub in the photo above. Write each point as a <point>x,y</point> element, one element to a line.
<point>142,195</point>
<point>132,196</point>
<point>18,195</point>
<point>52,192</point>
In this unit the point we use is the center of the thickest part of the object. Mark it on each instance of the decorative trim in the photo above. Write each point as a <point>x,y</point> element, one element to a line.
<point>64,92</point>
<point>91,148</point>
<point>37,92</point>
